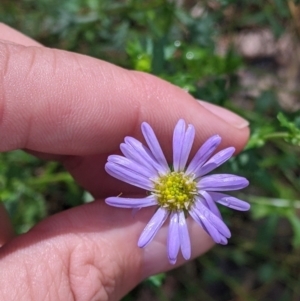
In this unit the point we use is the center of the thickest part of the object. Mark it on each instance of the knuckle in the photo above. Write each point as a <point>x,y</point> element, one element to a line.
<point>23,76</point>
<point>90,279</point>
<point>15,63</point>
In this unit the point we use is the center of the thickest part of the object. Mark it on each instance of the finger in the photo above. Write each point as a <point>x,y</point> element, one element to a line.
<point>6,229</point>
<point>86,253</point>
<point>9,34</point>
<point>66,103</point>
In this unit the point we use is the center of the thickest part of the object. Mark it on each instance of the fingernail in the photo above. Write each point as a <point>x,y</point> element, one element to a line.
<point>228,116</point>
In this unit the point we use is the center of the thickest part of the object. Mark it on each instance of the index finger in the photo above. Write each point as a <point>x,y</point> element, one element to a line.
<point>65,103</point>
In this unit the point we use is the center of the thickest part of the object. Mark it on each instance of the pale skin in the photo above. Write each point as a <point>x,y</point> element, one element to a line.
<point>76,109</point>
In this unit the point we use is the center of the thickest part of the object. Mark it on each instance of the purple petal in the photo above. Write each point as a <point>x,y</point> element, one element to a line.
<point>141,154</point>
<point>210,204</point>
<point>222,182</point>
<point>203,223</point>
<point>173,238</point>
<point>152,227</point>
<point>182,144</point>
<point>215,227</point>
<point>131,165</point>
<point>212,218</point>
<point>215,161</point>
<point>186,147</point>
<point>136,156</point>
<point>129,176</point>
<point>185,242</point>
<point>230,201</point>
<point>224,240</point>
<point>196,217</point>
<point>154,146</point>
<point>178,137</point>
<point>131,202</point>
<point>212,231</point>
<point>203,154</point>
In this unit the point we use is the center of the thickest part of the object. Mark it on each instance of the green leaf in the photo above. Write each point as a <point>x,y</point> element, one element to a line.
<point>157,280</point>
<point>294,131</point>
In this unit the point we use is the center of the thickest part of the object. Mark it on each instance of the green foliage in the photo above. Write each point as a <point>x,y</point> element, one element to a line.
<point>157,280</point>
<point>25,205</point>
<point>293,134</point>
<point>262,134</point>
<point>31,189</point>
<point>181,44</point>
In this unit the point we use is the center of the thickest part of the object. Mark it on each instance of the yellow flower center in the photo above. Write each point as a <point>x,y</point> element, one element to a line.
<point>175,191</point>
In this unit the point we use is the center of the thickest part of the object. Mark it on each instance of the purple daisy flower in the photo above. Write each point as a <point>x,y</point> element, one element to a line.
<point>177,191</point>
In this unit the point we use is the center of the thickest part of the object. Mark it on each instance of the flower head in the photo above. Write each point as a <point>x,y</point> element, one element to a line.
<point>178,191</point>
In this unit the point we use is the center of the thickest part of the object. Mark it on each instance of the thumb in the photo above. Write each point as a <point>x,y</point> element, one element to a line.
<point>85,253</point>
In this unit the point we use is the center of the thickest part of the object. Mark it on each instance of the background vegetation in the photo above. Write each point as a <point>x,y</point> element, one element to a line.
<point>243,55</point>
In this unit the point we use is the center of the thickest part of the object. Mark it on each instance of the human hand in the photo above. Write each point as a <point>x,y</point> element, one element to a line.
<point>76,109</point>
